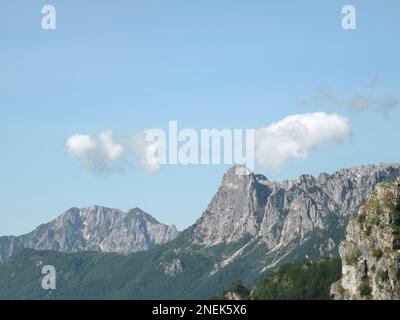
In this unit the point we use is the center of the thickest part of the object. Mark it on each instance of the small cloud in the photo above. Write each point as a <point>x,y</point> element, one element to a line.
<point>361,103</point>
<point>388,103</point>
<point>293,137</point>
<point>98,153</point>
<point>365,102</point>
<point>324,95</point>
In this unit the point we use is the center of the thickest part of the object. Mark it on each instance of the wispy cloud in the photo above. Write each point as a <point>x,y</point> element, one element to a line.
<point>361,103</point>
<point>388,103</point>
<point>323,95</point>
<point>357,102</point>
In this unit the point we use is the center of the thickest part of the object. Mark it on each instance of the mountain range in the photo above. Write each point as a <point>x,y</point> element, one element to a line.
<point>93,229</point>
<point>251,227</point>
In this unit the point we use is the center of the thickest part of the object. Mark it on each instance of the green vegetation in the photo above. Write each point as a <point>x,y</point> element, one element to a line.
<point>140,275</point>
<point>377,253</point>
<point>368,230</point>
<point>396,223</point>
<point>375,220</point>
<point>370,214</point>
<point>361,216</point>
<point>396,237</point>
<point>237,288</point>
<point>353,257</point>
<point>381,276</point>
<point>398,275</point>
<point>300,281</point>
<point>373,206</point>
<point>364,288</point>
<point>388,201</point>
<point>341,291</point>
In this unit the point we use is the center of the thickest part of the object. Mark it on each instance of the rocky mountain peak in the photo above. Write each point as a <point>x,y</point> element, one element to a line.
<point>94,228</point>
<point>234,210</point>
<point>371,250</point>
<point>238,170</point>
<point>281,213</point>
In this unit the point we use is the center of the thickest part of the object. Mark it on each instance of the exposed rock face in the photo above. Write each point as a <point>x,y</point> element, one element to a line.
<point>8,246</point>
<point>173,268</point>
<point>237,291</point>
<point>235,210</point>
<point>285,212</point>
<point>370,253</point>
<point>93,229</point>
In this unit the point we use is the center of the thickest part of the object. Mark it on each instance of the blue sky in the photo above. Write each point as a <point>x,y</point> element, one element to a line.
<point>132,65</point>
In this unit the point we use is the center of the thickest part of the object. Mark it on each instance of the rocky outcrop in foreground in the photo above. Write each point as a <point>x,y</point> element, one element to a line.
<point>93,229</point>
<point>371,251</point>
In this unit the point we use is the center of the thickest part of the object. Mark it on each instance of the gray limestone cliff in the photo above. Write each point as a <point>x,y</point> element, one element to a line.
<point>371,251</point>
<point>283,213</point>
<point>93,229</point>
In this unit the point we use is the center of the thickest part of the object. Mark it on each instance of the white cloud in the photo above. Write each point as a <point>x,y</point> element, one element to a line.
<point>289,139</point>
<point>80,144</point>
<point>294,136</point>
<point>98,153</point>
<point>139,147</point>
<point>111,150</point>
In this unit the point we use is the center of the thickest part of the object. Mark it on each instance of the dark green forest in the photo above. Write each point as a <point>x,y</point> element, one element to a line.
<point>308,280</point>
